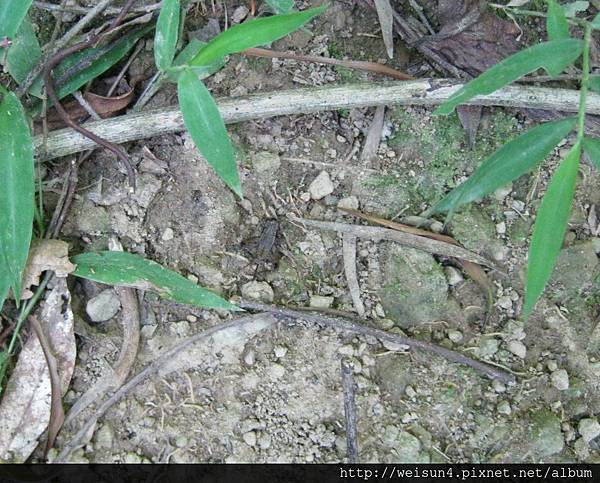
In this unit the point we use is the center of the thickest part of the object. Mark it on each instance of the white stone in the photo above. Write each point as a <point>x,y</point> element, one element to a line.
<point>560,379</point>
<point>517,348</point>
<point>103,306</point>
<point>453,276</point>
<point>258,291</point>
<point>321,186</point>
<point>280,351</point>
<point>350,203</point>
<point>276,371</point>
<point>320,301</point>
<point>249,438</point>
<point>455,336</point>
<point>501,228</point>
<point>167,234</point>
<point>589,429</point>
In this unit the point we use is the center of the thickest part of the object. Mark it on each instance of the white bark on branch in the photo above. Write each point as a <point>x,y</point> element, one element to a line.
<point>424,92</point>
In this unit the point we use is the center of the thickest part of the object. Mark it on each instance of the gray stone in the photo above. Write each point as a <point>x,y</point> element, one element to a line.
<point>351,203</point>
<point>103,306</point>
<point>517,348</point>
<point>321,186</point>
<point>546,436</point>
<point>504,408</point>
<point>266,162</point>
<point>560,379</point>
<point>488,346</point>
<point>249,438</point>
<point>320,302</point>
<point>258,291</point>
<point>589,429</point>
<point>414,289</point>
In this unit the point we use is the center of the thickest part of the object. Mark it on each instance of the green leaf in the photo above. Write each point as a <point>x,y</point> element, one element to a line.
<point>99,63</point>
<point>167,30</point>
<point>596,22</point>
<point>203,120</point>
<point>16,194</point>
<point>129,270</point>
<point>571,9</point>
<point>553,56</point>
<point>24,53</point>
<point>550,227</point>
<point>591,147</point>
<point>556,22</point>
<point>187,54</point>
<point>511,161</point>
<point>594,83</point>
<point>252,34</point>
<point>12,13</point>
<point>281,6</point>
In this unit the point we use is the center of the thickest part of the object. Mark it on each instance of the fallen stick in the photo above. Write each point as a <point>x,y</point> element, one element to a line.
<point>376,233</point>
<point>423,92</point>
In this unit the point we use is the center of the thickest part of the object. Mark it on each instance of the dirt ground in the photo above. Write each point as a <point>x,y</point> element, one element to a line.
<point>273,393</point>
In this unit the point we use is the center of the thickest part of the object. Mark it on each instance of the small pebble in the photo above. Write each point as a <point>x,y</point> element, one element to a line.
<point>258,291</point>
<point>276,371</point>
<point>498,386</point>
<point>517,348</point>
<point>589,429</point>
<point>350,203</point>
<point>167,235</point>
<point>455,336</point>
<point>552,365</point>
<point>501,228</point>
<point>249,438</point>
<point>264,441</point>
<point>280,351</point>
<point>505,302</point>
<point>320,302</point>
<point>346,350</point>
<point>560,379</point>
<point>103,306</point>
<point>453,276</point>
<point>504,408</point>
<point>321,186</point>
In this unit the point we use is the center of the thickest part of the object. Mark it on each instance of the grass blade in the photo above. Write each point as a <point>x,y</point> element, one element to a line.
<point>16,195</point>
<point>591,147</point>
<point>129,270</point>
<point>252,34</point>
<point>203,120</point>
<point>281,6</point>
<point>511,161</point>
<point>188,53</point>
<point>556,23</point>
<point>12,13</point>
<point>167,30</point>
<point>550,227</point>
<point>551,56</point>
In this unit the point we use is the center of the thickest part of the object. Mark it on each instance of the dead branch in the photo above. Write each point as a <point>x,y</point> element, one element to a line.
<point>424,92</point>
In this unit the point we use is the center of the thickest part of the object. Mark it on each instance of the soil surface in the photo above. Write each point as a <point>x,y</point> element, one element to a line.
<point>272,392</point>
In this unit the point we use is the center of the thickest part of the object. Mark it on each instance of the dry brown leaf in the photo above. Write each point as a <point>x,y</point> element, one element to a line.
<point>46,255</point>
<point>26,405</point>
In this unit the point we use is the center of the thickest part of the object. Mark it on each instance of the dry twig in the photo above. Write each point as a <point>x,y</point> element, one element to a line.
<point>350,411</point>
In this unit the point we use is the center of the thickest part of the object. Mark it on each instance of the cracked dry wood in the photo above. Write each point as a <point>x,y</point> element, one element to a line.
<point>424,92</point>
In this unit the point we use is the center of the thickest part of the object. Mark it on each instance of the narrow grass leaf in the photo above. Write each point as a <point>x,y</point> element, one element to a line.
<point>556,22</point>
<point>550,227</point>
<point>24,53</point>
<point>553,56</point>
<point>165,37</point>
<point>591,147</point>
<point>129,270</point>
<point>203,120</point>
<point>596,22</point>
<point>280,6</point>
<point>511,161</point>
<point>252,34</point>
<point>12,13</point>
<point>16,194</point>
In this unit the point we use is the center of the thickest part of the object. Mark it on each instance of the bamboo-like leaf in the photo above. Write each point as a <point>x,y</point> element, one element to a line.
<point>591,146</point>
<point>550,227</point>
<point>203,120</point>
<point>129,270</point>
<point>187,54</point>
<point>556,22</point>
<point>596,22</point>
<point>553,56</point>
<point>252,34</point>
<point>12,13</point>
<point>167,30</point>
<point>24,53</point>
<point>16,194</point>
<point>99,62</point>
<point>511,161</point>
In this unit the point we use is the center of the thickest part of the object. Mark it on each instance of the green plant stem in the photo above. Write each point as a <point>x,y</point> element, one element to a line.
<point>25,311</point>
<point>585,80</point>
<point>534,13</point>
